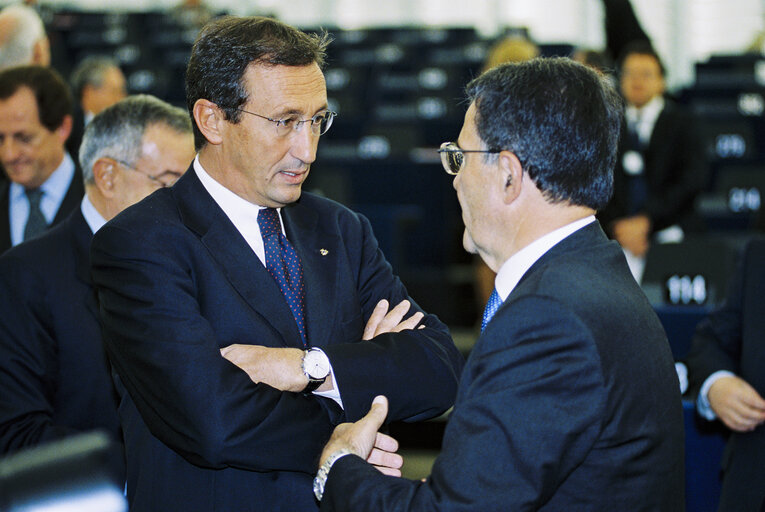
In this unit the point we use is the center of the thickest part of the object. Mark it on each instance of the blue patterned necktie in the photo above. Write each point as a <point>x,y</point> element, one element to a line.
<point>283,263</point>
<point>491,307</point>
<point>36,222</point>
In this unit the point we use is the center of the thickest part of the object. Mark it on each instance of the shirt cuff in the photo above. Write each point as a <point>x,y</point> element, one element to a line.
<point>682,376</point>
<point>702,402</point>
<point>333,393</point>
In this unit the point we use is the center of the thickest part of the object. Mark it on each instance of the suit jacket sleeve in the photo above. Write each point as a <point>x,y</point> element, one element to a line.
<point>167,357</point>
<point>28,360</point>
<point>418,370</point>
<point>528,413</point>
<point>716,345</point>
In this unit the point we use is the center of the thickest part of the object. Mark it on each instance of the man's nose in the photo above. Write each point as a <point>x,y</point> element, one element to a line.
<point>305,144</point>
<point>9,150</point>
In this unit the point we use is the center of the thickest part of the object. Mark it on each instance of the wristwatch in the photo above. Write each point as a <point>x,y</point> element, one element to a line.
<point>321,477</point>
<point>315,367</point>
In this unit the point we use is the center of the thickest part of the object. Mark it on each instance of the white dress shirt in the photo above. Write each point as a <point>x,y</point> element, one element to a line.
<point>511,271</point>
<point>54,190</point>
<point>244,215</point>
<point>645,117</point>
<point>94,219</point>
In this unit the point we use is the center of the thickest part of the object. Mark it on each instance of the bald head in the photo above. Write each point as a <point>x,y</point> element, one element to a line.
<point>22,38</point>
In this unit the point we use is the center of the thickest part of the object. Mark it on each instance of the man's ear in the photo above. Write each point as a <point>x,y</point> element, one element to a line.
<point>209,118</point>
<point>104,171</point>
<point>511,173</point>
<point>65,129</point>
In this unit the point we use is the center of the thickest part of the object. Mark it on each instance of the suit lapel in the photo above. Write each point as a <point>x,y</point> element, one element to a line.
<point>318,251</point>
<point>243,270</point>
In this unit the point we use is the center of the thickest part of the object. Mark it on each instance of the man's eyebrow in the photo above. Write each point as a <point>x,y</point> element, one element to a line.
<point>296,112</point>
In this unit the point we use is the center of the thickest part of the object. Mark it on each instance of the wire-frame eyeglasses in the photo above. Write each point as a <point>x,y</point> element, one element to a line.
<point>319,123</point>
<point>166,179</point>
<point>453,156</point>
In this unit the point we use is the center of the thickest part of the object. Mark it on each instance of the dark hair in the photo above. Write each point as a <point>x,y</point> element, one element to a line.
<point>227,45</point>
<point>54,101</point>
<point>640,47</point>
<point>560,118</point>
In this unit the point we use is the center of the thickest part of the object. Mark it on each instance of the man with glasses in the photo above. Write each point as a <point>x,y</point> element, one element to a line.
<point>45,184</point>
<point>235,260</point>
<point>569,400</point>
<point>54,376</point>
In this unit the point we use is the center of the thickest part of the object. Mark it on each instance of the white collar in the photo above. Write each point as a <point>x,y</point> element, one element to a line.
<point>242,213</point>
<point>94,219</point>
<point>511,271</point>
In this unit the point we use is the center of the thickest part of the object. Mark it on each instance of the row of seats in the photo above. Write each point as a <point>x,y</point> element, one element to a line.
<point>399,93</point>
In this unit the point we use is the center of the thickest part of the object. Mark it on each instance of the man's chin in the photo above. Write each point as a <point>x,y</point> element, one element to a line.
<point>468,244</point>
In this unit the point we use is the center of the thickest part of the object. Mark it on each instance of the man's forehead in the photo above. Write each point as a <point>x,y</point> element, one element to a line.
<point>20,107</point>
<point>282,85</point>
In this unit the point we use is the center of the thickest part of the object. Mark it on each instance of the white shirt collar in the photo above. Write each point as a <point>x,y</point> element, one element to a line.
<point>511,271</point>
<point>646,116</point>
<point>94,219</point>
<point>55,187</point>
<point>242,213</point>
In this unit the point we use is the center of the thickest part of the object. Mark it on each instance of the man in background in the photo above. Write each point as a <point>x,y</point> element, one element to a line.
<point>569,400</point>
<point>661,165</point>
<point>726,373</point>
<point>23,40</point>
<point>97,83</point>
<point>45,183</point>
<point>53,370</point>
<point>236,261</point>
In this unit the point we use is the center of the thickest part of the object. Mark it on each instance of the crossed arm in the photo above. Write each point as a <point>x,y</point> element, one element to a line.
<point>281,368</point>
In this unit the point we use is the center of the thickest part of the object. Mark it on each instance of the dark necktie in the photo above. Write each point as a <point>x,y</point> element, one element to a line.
<point>283,264</point>
<point>637,186</point>
<point>36,222</point>
<point>491,307</point>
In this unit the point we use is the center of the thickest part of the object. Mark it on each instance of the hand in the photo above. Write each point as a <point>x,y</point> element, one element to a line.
<point>383,321</point>
<point>737,404</point>
<point>280,368</point>
<point>363,439</point>
<point>633,233</point>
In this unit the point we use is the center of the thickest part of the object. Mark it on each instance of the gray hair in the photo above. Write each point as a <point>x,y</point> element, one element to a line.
<point>117,131</point>
<point>23,28</point>
<point>91,71</point>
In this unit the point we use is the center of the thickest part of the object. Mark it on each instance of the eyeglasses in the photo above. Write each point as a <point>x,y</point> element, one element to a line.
<point>166,179</point>
<point>319,123</point>
<point>453,156</point>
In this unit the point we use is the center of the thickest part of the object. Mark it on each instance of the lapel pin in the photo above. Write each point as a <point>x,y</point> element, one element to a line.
<point>323,252</point>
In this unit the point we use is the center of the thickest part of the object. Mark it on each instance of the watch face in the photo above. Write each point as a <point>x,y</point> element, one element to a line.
<point>316,364</point>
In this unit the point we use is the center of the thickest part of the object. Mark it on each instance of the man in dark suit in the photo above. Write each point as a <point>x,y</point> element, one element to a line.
<point>53,369</point>
<point>235,259</point>
<point>725,370</point>
<point>569,400</point>
<point>661,165</point>
<point>45,182</point>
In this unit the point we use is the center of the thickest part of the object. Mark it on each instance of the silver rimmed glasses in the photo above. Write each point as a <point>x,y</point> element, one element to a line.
<point>319,123</point>
<point>453,156</point>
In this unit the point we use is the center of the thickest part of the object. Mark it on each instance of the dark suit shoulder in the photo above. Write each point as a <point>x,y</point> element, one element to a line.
<point>47,250</point>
